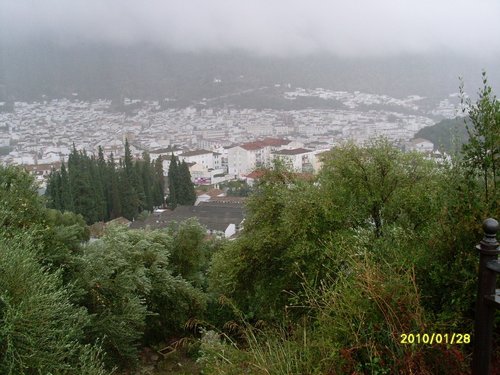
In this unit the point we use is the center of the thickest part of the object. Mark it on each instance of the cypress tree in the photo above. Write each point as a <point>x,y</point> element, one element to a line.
<point>188,196</point>
<point>114,203</point>
<point>81,185</point>
<point>66,198</point>
<point>53,192</point>
<point>96,183</point>
<point>159,183</point>
<point>173,180</point>
<point>137,183</point>
<point>147,179</point>
<point>130,200</point>
<point>102,175</point>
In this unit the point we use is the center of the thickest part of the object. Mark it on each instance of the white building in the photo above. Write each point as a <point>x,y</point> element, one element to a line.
<point>245,158</point>
<point>299,159</point>
<point>204,158</point>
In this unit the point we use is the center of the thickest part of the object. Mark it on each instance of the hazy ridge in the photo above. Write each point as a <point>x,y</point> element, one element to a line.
<point>31,70</point>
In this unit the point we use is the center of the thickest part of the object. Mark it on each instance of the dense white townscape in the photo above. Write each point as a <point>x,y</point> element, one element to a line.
<point>43,133</point>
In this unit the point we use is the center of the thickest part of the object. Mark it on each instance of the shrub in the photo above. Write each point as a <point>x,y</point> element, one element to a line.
<point>41,331</point>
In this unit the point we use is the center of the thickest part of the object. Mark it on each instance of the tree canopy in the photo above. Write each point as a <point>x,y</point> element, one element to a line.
<point>101,190</point>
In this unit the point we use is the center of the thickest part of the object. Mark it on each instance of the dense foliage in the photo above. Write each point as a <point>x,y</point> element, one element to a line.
<point>329,273</point>
<point>325,276</point>
<point>180,188</point>
<point>448,135</point>
<point>73,307</point>
<point>101,190</point>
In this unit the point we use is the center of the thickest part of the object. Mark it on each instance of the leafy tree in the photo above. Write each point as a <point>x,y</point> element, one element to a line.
<point>289,219</point>
<point>482,153</point>
<point>128,282</point>
<point>379,184</point>
<point>188,255</point>
<point>20,206</point>
<point>41,331</point>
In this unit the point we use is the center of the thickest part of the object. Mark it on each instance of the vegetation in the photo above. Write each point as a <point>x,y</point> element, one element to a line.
<point>329,273</point>
<point>180,188</point>
<point>324,278</point>
<point>100,190</point>
<point>236,188</point>
<point>70,307</point>
<point>447,135</point>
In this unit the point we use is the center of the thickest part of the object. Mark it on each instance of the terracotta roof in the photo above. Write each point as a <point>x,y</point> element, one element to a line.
<point>255,174</point>
<point>266,142</point>
<point>251,146</point>
<point>275,141</point>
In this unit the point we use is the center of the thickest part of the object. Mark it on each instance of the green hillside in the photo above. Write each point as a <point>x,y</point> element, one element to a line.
<point>447,135</point>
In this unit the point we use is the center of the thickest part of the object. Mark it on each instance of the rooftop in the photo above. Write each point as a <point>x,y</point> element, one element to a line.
<point>195,153</point>
<point>213,215</point>
<point>295,151</point>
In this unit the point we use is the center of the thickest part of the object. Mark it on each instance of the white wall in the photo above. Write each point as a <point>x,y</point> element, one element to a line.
<point>240,161</point>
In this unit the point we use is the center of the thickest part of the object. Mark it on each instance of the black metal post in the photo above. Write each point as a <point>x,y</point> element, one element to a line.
<point>489,250</point>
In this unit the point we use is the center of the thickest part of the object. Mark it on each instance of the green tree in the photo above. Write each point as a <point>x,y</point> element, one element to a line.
<point>66,197</point>
<point>19,203</point>
<point>173,182</point>
<point>128,182</point>
<point>159,183</point>
<point>289,220</point>
<point>181,189</point>
<point>97,183</point>
<point>114,191</point>
<point>81,185</point>
<point>147,180</point>
<point>53,192</point>
<point>131,292</point>
<point>188,254</point>
<point>186,195</point>
<point>379,184</point>
<point>41,331</point>
<point>482,152</point>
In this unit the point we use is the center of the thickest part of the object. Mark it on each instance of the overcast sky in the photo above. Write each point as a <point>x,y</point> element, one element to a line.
<point>353,28</point>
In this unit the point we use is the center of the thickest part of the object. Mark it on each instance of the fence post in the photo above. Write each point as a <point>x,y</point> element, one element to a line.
<point>485,309</point>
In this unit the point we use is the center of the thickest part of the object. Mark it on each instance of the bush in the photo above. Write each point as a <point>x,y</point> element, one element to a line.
<point>41,331</point>
<point>131,293</point>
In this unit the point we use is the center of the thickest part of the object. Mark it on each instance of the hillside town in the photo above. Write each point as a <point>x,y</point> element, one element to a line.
<point>219,144</point>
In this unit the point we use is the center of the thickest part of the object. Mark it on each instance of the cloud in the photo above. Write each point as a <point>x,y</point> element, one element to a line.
<point>267,27</point>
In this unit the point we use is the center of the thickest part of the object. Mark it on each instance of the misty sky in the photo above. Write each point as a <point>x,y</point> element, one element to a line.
<point>352,28</point>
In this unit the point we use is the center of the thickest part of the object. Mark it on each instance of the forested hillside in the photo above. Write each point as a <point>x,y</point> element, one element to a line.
<point>325,278</point>
<point>447,135</point>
